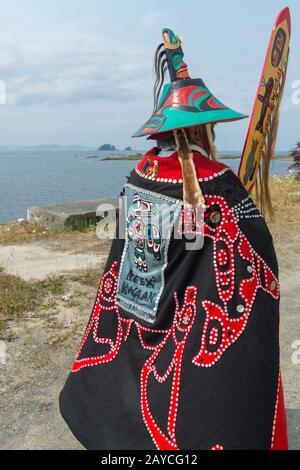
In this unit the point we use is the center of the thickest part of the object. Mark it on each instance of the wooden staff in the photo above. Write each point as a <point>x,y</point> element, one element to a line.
<point>192,194</point>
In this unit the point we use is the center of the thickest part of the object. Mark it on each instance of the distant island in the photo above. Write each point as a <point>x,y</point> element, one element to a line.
<point>107,148</point>
<point>58,147</point>
<point>137,156</point>
<point>112,148</point>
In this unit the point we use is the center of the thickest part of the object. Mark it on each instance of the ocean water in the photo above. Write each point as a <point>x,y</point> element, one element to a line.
<point>34,177</point>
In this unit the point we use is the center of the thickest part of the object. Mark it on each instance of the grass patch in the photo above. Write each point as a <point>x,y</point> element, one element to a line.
<point>18,296</point>
<point>285,192</point>
<point>89,277</point>
<point>54,286</point>
<point>285,196</point>
<point>80,224</point>
<point>18,232</point>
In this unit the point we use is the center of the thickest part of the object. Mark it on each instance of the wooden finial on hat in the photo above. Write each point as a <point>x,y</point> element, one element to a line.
<point>177,67</point>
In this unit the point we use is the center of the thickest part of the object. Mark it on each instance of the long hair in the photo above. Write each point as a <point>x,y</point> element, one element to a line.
<point>211,136</point>
<point>160,68</point>
<point>208,137</point>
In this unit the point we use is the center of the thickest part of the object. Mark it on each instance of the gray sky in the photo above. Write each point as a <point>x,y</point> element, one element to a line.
<point>80,72</point>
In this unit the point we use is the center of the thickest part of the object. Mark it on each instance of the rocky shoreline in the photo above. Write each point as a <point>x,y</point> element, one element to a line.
<point>139,156</point>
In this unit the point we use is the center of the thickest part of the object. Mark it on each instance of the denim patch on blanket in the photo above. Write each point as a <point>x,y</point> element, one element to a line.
<point>149,219</point>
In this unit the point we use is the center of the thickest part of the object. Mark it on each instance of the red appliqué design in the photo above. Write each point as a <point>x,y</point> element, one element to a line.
<point>220,330</point>
<point>217,447</point>
<point>177,335</point>
<point>105,305</point>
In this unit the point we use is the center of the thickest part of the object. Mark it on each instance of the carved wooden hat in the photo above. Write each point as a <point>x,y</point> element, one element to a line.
<point>184,102</point>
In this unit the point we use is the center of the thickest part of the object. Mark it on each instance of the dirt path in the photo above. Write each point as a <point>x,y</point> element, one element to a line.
<point>40,346</point>
<point>53,256</point>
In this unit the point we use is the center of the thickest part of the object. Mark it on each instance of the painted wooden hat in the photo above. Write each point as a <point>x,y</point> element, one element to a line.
<point>184,102</point>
